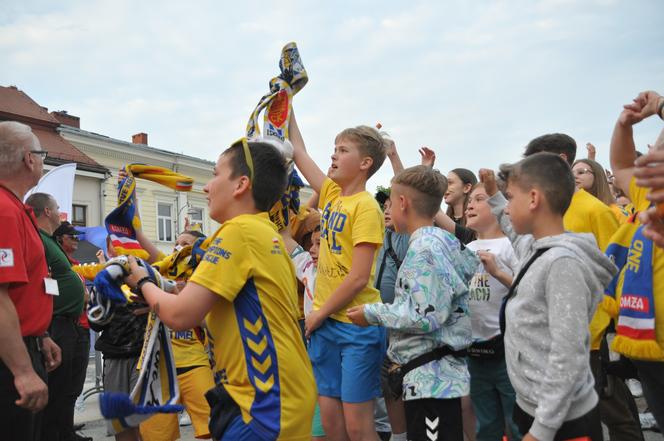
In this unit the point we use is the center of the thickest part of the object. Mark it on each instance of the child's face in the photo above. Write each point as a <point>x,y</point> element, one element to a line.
<point>346,161</point>
<point>183,240</point>
<point>478,213</point>
<point>387,214</point>
<point>583,175</point>
<point>518,208</point>
<point>315,246</point>
<point>220,189</point>
<point>396,213</point>
<point>456,189</point>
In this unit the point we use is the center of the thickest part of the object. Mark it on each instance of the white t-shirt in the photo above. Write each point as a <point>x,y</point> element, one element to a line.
<point>305,271</point>
<point>486,292</point>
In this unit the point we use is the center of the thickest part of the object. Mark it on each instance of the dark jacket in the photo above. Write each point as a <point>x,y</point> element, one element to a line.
<point>123,336</point>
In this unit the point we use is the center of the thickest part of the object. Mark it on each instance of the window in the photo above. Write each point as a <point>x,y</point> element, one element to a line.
<point>164,222</point>
<point>195,217</point>
<point>80,215</point>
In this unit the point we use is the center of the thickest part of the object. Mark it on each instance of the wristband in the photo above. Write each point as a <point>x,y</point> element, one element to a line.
<point>140,283</point>
<point>659,108</point>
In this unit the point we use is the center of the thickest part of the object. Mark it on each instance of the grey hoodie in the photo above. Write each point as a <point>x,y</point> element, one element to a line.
<point>547,341</point>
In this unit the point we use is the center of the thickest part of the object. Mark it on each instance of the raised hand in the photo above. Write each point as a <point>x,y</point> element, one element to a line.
<point>592,151</point>
<point>428,156</point>
<point>488,178</point>
<point>643,106</point>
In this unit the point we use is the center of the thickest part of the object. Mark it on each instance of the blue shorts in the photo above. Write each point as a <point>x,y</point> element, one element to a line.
<point>346,359</point>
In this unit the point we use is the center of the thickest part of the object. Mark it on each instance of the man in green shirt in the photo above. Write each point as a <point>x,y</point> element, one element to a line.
<point>65,328</point>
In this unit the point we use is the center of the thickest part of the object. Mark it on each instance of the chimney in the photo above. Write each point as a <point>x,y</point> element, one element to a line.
<point>140,138</point>
<point>66,119</point>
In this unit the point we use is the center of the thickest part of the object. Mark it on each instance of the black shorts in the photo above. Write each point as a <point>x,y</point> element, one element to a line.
<point>585,426</point>
<point>434,419</point>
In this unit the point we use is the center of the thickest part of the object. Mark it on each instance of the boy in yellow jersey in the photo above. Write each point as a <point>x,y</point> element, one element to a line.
<point>246,287</point>
<point>587,214</point>
<point>346,357</point>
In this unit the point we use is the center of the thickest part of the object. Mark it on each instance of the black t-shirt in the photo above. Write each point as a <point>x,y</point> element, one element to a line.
<point>465,235</point>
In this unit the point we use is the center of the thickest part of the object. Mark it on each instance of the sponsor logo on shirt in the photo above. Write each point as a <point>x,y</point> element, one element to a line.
<point>215,251</point>
<point>6,257</point>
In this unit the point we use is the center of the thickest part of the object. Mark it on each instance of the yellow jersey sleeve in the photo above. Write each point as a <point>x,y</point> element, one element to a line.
<point>368,226</point>
<point>638,196</point>
<point>89,270</point>
<point>329,190</point>
<point>226,266</point>
<point>603,224</point>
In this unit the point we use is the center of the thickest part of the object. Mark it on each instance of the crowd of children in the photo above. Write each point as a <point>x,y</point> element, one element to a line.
<point>499,317</point>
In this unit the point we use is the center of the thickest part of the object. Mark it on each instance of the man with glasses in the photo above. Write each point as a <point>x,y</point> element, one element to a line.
<point>65,328</point>
<point>26,351</point>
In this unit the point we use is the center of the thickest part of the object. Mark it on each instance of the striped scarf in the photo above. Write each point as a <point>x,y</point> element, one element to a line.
<point>122,222</point>
<point>633,254</point>
<point>156,390</point>
<point>277,104</point>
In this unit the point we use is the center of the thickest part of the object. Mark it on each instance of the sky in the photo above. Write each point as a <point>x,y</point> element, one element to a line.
<point>475,81</point>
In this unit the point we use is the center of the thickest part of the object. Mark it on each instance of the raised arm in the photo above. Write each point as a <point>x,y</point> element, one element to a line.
<point>623,150</point>
<point>393,156</point>
<point>312,173</point>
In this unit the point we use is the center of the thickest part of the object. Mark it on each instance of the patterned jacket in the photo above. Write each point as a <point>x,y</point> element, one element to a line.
<point>430,310</point>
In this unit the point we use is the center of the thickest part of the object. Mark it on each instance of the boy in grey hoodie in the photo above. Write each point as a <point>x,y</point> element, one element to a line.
<point>548,311</point>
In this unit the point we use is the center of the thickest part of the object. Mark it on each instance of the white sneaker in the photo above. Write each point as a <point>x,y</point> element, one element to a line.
<point>634,387</point>
<point>185,420</point>
<point>647,421</point>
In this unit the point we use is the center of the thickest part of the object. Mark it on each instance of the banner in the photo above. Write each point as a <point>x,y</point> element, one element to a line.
<point>59,183</point>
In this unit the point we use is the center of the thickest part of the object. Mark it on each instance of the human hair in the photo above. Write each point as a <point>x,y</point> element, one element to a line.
<point>40,202</point>
<point>270,175</point>
<point>600,188</point>
<point>466,177</point>
<point>557,143</point>
<point>546,171</point>
<point>197,234</point>
<point>429,187</point>
<point>15,139</point>
<point>370,143</point>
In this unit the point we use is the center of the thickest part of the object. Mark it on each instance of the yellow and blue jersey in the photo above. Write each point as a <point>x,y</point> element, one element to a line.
<point>262,360</point>
<point>346,222</point>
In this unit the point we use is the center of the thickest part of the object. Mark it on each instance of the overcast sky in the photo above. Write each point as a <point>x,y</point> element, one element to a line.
<point>473,80</point>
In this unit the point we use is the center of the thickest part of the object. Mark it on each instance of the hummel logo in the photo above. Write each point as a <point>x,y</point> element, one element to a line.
<point>432,426</point>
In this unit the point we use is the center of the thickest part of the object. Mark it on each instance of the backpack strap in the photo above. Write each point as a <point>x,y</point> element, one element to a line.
<point>515,284</point>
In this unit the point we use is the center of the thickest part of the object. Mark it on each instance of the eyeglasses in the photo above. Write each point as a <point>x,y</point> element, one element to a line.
<point>41,153</point>
<point>582,171</point>
<point>71,237</point>
<point>247,157</point>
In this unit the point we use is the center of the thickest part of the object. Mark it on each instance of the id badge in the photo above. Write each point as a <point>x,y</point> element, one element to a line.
<point>51,286</point>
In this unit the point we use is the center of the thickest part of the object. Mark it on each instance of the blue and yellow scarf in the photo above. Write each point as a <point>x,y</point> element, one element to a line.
<point>278,105</point>
<point>633,254</point>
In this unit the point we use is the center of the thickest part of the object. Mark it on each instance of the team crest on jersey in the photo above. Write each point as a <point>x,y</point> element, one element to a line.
<point>276,249</point>
<point>6,257</point>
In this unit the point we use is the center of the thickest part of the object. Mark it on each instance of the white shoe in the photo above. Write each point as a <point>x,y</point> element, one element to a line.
<point>185,420</point>
<point>647,421</point>
<point>634,387</point>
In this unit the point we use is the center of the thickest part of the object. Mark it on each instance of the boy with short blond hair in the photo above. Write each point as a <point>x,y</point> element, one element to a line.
<point>551,302</point>
<point>428,321</point>
<point>345,357</point>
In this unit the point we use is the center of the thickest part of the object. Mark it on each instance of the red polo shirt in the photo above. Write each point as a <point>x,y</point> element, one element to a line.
<point>23,265</point>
